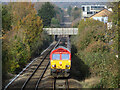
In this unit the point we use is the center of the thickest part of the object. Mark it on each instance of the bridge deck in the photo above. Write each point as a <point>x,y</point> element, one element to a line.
<point>61,31</point>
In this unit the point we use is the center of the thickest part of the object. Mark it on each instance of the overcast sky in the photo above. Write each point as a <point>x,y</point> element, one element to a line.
<point>59,0</point>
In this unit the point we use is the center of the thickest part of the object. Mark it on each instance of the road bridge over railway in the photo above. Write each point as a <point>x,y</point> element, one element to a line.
<point>61,31</point>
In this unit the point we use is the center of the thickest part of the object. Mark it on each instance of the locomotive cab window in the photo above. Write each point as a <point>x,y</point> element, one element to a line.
<point>65,56</point>
<point>56,57</point>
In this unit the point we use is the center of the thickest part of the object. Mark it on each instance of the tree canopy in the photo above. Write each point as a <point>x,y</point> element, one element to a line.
<point>6,18</point>
<point>97,47</point>
<point>69,10</point>
<point>24,40</point>
<point>55,23</point>
<point>46,12</point>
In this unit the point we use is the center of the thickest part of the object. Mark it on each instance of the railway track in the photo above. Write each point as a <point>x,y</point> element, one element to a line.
<point>36,75</point>
<point>61,84</point>
<point>32,75</point>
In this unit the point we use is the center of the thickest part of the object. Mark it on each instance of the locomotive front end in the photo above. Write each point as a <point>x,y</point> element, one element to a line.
<point>60,61</point>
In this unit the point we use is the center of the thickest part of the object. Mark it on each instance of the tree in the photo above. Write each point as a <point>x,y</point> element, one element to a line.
<point>6,18</point>
<point>95,52</point>
<point>23,40</point>
<point>115,18</point>
<point>55,23</point>
<point>32,26</point>
<point>58,13</point>
<point>46,12</point>
<point>76,13</point>
<point>76,8</point>
<point>69,10</point>
<point>20,10</point>
<point>13,12</point>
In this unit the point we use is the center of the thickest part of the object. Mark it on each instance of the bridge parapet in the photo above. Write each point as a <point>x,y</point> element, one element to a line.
<point>61,31</point>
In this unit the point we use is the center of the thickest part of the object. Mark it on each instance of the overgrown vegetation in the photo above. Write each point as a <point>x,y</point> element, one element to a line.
<point>55,23</point>
<point>50,14</point>
<point>6,18</point>
<point>93,49</point>
<point>69,10</point>
<point>23,38</point>
<point>59,13</point>
<point>46,12</point>
<point>75,13</point>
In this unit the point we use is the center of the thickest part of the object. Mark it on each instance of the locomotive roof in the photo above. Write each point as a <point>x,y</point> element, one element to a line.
<point>61,47</point>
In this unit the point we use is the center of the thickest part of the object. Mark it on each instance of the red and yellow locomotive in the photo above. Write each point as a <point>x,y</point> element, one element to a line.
<point>60,61</point>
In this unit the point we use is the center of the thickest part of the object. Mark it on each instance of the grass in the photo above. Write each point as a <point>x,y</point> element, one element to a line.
<point>90,82</point>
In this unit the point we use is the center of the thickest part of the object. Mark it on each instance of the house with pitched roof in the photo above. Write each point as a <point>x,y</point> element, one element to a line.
<point>101,15</point>
<point>89,10</point>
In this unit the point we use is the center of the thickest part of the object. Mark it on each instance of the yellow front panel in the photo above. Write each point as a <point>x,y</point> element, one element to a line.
<point>60,64</point>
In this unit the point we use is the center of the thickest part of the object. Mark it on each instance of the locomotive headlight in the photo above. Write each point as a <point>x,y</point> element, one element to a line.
<point>67,66</point>
<point>53,65</point>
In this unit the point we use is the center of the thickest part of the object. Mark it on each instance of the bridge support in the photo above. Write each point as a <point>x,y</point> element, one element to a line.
<point>69,36</point>
<point>55,37</point>
<point>68,43</point>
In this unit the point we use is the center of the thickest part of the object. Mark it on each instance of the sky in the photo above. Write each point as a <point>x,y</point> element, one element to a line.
<point>60,0</point>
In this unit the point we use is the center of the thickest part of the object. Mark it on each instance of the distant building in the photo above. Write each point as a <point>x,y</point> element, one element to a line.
<point>89,10</point>
<point>101,15</point>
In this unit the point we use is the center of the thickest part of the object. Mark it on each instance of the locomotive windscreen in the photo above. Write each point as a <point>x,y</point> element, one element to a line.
<point>65,56</point>
<point>56,57</point>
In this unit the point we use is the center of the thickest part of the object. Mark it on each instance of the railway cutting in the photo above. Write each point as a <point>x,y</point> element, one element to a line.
<point>39,74</point>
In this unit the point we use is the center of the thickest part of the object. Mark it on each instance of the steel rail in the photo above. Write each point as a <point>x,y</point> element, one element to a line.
<point>40,78</point>
<point>54,84</point>
<point>66,84</point>
<point>36,87</point>
<point>23,70</point>
<point>24,85</point>
<point>32,73</point>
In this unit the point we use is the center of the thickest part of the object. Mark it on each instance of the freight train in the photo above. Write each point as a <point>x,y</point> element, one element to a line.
<point>60,59</point>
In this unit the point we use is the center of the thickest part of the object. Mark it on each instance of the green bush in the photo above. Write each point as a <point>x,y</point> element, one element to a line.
<point>93,49</point>
<point>24,41</point>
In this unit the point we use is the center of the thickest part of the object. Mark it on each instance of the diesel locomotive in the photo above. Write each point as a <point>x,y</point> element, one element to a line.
<point>60,61</point>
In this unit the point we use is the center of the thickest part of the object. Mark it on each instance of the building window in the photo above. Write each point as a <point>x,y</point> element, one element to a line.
<point>102,19</point>
<point>83,8</point>
<point>97,7</point>
<point>89,12</point>
<point>88,9</point>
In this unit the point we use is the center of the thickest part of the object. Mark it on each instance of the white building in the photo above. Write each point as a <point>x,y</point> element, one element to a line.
<point>89,10</point>
<point>102,16</point>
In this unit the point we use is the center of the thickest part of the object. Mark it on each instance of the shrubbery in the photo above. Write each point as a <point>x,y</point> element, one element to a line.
<point>104,65</point>
<point>46,12</point>
<point>94,50</point>
<point>24,41</point>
